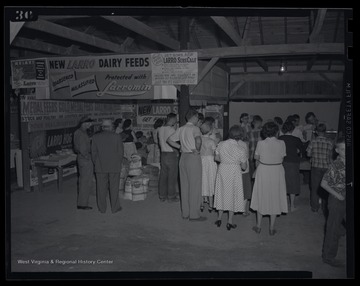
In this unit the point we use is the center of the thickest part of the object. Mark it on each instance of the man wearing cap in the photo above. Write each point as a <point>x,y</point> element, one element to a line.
<point>107,151</point>
<point>85,165</point>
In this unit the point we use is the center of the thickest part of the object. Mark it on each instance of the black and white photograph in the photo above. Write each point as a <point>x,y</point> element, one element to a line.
<point>178,143</point>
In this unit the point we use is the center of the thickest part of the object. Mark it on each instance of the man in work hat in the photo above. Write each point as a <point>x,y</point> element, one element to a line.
<point>85,166</point>
<point>107,151</point>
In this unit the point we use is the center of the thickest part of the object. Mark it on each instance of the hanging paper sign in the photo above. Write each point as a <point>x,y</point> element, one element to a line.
<point>174,68</point>
<point>29,73</point>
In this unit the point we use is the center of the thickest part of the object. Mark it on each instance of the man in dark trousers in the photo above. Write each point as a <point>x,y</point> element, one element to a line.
<point>107,151</point>
<point>85,166</point>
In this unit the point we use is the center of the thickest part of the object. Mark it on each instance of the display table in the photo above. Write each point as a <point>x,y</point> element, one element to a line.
<point>56,161</point>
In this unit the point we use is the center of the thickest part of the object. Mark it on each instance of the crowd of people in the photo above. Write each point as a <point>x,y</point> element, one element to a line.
<point>255,168</point>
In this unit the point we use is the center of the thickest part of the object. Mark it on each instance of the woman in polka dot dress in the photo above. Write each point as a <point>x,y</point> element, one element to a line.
<point>229,195</point>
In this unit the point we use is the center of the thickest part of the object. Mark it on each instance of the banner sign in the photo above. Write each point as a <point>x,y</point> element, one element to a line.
<point>148,114</point>
<point>101,77</point>
<point>29,73</point>
<point>174,68</point>
<point>48,115</point>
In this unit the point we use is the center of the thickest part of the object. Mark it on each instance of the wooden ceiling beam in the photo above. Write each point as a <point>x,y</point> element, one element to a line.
<point>294,76</point>
<point>15,28</point>
<point>205,71</point>
<point>261,31</point>
<point>335,34</point>
<point>48,48</point>
<point>263,64</point>
<point>319,21</point>
<point>244,36</point>
<point>73,35</point>
<point>236,88</point>
<point>61,17</point>
<point>286,33</point>
<point>217,37</point>
<point>246,28</point>
<point>127,43</point>
<point>329,81</point>
<point>144,30</point>
<point>310,63</point>
<point>286,97</point>
<point>226,26</point>
<point>271,50</point>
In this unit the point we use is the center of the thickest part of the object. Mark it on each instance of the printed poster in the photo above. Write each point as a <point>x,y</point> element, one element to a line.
<point>29,73</point>
<point>174,68</point>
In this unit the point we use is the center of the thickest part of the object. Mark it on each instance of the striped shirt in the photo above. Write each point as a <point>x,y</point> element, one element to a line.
<point>320,151</point>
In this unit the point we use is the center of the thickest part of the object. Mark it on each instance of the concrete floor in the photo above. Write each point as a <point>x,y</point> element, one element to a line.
<point>151,236</point>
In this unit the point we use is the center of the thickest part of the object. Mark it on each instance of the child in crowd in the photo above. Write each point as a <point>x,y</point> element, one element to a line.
<point>209,166</point>
<point>334,183</point>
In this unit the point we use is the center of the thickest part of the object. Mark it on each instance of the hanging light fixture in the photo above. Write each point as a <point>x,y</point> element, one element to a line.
<point>282,67</point>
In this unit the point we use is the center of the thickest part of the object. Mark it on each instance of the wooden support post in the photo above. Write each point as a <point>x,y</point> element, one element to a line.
<point>25,151</point>
<point>184,100</point>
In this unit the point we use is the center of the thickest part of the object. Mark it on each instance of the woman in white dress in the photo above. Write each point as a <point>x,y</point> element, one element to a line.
<point>229,195</point>
<point>269,192</point>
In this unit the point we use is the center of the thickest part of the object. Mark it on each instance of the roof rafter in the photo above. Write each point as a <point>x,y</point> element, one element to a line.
<point>46,47</point>
<point>272,50</point>
<point>144,30</point>
<point>335,34</point>
<point>226,26</point>
<point>74,35</point>
<point>205,71</point>
<point>319,21</point>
